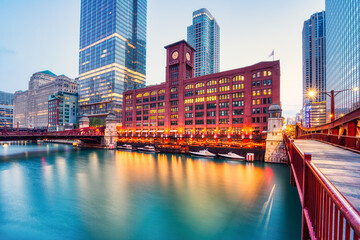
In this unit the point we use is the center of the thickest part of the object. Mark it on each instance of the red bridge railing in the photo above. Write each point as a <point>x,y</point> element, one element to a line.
<point>326,213</point>
<point>344,141</point>
<point>89,131</point>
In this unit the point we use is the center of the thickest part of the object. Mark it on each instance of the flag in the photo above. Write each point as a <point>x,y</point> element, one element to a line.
<point>271,54</point>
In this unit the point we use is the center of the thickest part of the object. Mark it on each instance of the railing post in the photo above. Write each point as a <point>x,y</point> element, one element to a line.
<point>305,227</point>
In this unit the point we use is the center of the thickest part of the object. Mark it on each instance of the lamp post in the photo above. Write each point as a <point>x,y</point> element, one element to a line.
<point>332,94</point>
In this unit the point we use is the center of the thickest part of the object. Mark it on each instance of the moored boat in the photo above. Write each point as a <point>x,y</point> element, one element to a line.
<point>231,155</point>
<point>127,147</point>
<point>147,149</point>
<point>203,153</point>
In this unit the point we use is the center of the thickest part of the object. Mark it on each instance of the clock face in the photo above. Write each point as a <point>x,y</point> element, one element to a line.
<point>175,55</point>
<point>188,56</point>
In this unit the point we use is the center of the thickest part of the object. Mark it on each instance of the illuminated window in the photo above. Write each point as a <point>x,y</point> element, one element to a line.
<point>146,94</point>
<point>190,100</point>
<point>128,96</point>
<point>139,95</point>
<point>223,80</point>
<point>211,98</point>
<point>153,111</point>
<point>258,74</point>
<point>174,89</point>
<point>160,117</point>
<point>199,85</point>
<point>152,117</point>
<point>211,90</point>
<point>199,99</point>
<point>174,109</point>
<point>211,83</point>
<point>254,75</point>
<point>253,102</point>
<point>162,110</point>
<point>258,101</point>
<point>269,91</point>
<point>174,116</point>
<point>265,92</point>
<point>162,91</point>
<point>238,86</point>
<point>265,73</point>
<point>224,88</point>
<point>153,93</point>
<point>254,93</point>
<point>258,92</point>
<point>138,107</point>
<point>199,92</point>
<point>238,78</point>
<point>269,73</point>
<point>224,96</point>
<point>238,95</point>
<point>190,86</point>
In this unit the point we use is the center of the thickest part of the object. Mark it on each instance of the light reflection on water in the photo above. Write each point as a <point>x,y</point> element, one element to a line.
<point>98,194</point>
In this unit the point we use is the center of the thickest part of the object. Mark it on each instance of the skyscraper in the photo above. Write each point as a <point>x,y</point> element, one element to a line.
<point>204,36</point>
<point>112,55</point>
<point>314,69</point>
<point>343,52</point>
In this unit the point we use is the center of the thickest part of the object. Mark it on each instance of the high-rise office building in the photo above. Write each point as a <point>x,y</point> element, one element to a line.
<point>343,53</point>
<point>6,109</point>
<point>112,55</point>
<point>314,69</point>
<point>204,36</point>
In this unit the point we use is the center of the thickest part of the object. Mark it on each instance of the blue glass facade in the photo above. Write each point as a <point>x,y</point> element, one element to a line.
<point>343,52</point>
<point>112,55</point>
<point>204,36</point>
<point>314,66</point>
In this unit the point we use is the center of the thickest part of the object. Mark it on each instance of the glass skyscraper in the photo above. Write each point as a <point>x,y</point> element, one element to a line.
<point>204,36</point>
<point>112,55</point>
<point>314,69</point>
<point>343,52</point>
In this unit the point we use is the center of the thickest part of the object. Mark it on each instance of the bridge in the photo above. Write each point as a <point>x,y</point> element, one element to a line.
<point>325,167</point>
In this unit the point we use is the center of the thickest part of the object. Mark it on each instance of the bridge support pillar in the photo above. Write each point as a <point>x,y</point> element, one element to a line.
<point>111,135</point>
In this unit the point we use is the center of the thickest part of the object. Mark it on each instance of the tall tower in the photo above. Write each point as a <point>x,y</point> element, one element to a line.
<point>314,69</point>
<point>204,36</point>
<point>112,55</point>
<point>274,136</point>
<point>342,53</point>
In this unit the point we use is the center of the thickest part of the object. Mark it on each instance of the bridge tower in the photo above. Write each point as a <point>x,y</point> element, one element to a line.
<point>274,138</point>
<point>84,122</point>
<point>111,134</point>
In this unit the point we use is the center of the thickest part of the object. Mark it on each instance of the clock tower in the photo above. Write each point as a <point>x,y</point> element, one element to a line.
<point>179,67</point>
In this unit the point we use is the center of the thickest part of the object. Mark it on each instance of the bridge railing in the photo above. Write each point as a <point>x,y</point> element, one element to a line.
<point>89,131</point>
<point>344,141</point>
<point>326,213</point>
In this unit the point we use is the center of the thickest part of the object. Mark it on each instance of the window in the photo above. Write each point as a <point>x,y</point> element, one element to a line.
<point>199,114</point>
<point>174,109</point>
<point>199,92</point>
<point>146,94</point>
<point>189,101</point>
<point>160,123</point>
<point>199,107</point>
<point>190,86</point>
<point>223,113</point>
<point>238,78</point>
<point>188,122</point>
<point>139,107</point>
<point>264,119</point>
<point>269,91</point>
<point>238,103</point>
<point>269,82</point>
<point>211,90</point>
<point>173,123</point>
<point>238,86</point>
<point>211,114</point>
<point>258,111</point>
<point>238,112</point>
<point>258,83</point>
<point>161,104</point>
<point>254,111</point>
<point>138,101</point>
<point>264,91</point>
<point>188,108</point>
<point>211,98</point>
<point>211,106</point>
<point>189,93</point>
<point>152,105</point>
<point>145,118</point>
<point>211,83</point>
<point>153,111</point>
<point>223,80</point>
<point>139,95</point>
<point>211,121</point>
<point>175,95</point>
<point>162,110</point>
<point>224,96</point>
<point>254,75</point>
<point>265,73</point>
<point>146,100</point>
<point>224,121</point>
<point>238,95</point>
<point>200,99</point>
<point>138,112</point>
<point>224,105</point>
<point>161,98</point>
<point>269,100</point>
<point>258,93</point>
<point>258,74</point>
<point>174,116</point>
<point>264,110</point>
<point>199,121</point>
<point>162,91</point>
<point>199,85</point>
<point>174,89</point>
<point>153,99</point>
<point>188,115</point>
<point>153,93</point>
<point>264,82</point>
<point>174,103</point>
<point>264,100</point>
<point>269,73</point>
<point>138,118</point>
<point>146,112</point>
<point>237,120</point>
<point>224,88</point>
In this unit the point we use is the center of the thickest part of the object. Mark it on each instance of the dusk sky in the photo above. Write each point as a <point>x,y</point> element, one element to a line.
<point>41,35</point>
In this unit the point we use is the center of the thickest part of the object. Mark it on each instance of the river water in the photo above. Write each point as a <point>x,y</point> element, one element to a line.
<point>49,191</point>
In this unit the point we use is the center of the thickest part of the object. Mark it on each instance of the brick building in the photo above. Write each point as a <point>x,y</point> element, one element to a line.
<point>231,103</point>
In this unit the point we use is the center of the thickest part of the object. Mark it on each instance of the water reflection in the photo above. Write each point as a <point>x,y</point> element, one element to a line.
<point>131,195</point>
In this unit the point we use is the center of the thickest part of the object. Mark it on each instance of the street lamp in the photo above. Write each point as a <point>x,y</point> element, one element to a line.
<point>332,94</point>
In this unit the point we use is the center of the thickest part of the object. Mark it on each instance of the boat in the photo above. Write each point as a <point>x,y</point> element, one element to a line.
<point>147,149</point>
<point>203,153</point>
<point>231,155</point>
<point>125,147</point>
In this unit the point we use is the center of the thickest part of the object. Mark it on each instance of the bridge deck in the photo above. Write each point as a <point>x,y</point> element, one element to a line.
<point>341,167</point>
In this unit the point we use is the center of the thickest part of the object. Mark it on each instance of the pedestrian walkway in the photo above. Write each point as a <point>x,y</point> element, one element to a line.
<point>340,166</point>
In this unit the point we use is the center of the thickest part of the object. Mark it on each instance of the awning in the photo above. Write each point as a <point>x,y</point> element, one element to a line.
<point>145,131</point>
<point>137,131</point>
<point>152,131</point>
<point>160,131</point>
<point>173,130</point>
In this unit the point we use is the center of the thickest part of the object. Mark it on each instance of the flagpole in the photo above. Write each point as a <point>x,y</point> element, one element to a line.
<point>273,54</point>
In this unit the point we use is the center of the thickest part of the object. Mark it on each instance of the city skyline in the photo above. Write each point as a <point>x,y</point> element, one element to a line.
<point>250,34</point>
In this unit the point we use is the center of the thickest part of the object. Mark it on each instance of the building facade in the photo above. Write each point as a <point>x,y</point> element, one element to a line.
<point>342,53</point>
<point>62,108</point>
<point>204,36</point>
<point>230,103</point>
<point>314,66</point>
<point>6,109</point>
<point>112,55</point>
<point>31,106</point>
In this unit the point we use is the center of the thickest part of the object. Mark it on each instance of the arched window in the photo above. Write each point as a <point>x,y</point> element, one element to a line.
<point>223,80</point>
<point>211,83</point>
<point>190,86</point>
<point>146,94</point>
<point>153,93</point>
<point>162,91</point>
<point>139,95</point>
<point>199,85</point>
